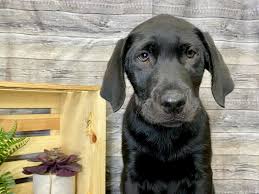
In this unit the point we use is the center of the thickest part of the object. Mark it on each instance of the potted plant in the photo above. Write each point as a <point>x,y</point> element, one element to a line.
<point>55,174</point>
<point>9,143</point>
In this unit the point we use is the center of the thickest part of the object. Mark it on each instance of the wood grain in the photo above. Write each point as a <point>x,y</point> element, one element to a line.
<point>98,26</point>
<point>83,121</point>
<point>24,188</point>
<point>44,86</point>
<point>244,76</point>
<point>239,99</point>
<point>91,72</point>
<point>38,144</point>
<point>69,25</point>
<point>31,122</point>
<point>235,186</point>
<point>243,10</point>
<point>102,7</point>
<point>12,99</point>
<point>91,49</point>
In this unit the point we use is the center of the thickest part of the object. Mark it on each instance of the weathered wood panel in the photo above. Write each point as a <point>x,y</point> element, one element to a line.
<point>68,25</point>
<point>71,41</point>
<point>102,7</point>
<point>38,144</point>
<point>30,122</point>
<point>234,186</point>
<point>239,99</point>
<point>245,76</point>
<point>23,188</point>
<point>239,9</point>
<point>110,25</point>
<point>90,49</point>
<point>91,72</point>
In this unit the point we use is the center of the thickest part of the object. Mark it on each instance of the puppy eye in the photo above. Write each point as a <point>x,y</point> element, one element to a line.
<point>190,53</point>
<point>144,56</point>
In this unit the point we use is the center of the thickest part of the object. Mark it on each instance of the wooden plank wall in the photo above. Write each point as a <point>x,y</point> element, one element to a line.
<point>70,42</point>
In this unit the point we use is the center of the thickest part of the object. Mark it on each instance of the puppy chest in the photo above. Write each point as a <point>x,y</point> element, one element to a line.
<point>149,168</point>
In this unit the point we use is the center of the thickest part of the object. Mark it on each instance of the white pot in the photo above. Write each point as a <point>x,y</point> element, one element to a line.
<point>52,184</point>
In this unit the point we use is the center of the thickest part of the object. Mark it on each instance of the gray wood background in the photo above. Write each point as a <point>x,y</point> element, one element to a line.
<point>70,42</point>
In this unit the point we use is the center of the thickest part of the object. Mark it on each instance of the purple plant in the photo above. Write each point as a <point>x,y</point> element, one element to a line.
<point>54,162</point>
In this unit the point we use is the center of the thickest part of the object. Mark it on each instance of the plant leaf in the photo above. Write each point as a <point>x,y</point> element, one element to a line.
<point>6,183</point>
<point>40,169</point>
<point>65,173</point>
<point>72,167</point>
<point>9,143</point>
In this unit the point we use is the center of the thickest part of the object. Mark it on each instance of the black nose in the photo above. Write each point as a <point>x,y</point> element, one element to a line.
<point>173,101</point>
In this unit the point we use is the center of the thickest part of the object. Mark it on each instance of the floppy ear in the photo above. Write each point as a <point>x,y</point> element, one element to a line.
<point>113,86</point>
<point>221,81</point>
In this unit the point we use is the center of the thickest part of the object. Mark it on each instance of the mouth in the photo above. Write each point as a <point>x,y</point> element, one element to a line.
<point>153,114</point>
<point>171,123</point>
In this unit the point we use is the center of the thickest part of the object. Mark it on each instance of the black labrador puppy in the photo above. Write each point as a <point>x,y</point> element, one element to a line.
<point>166,143</point>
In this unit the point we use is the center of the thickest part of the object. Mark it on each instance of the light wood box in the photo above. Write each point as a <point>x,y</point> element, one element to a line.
<point>77,121</point>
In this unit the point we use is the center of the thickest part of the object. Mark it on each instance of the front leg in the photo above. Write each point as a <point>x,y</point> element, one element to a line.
<point>203,178</point>
<point>197,183</point>
<point>129,187</point>
<point>188,186</point>
<point>204,185</point>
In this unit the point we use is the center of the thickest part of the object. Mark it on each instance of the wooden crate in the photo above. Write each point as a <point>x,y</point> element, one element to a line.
<point>77,122</point>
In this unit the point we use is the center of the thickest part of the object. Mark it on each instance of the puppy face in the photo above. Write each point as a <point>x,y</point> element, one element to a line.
<point>165,62</point>
<point>164,59</point>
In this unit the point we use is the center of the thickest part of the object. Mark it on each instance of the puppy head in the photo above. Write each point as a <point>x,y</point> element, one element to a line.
<point>164,59</point>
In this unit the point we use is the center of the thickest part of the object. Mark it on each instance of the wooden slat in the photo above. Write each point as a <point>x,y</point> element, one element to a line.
<point>239,99</point>
<point>244,76</point>
<point>236,186</point>
<point>45,86</point>
<point>79,25</point>
<point>31,122</point>
<point>54,132</point>
<point>228,29</point>
<point>93,25</point>
<point>16,168</point>
<point>83,6</point>
<point>83,121</point>
<point>92,49</point>
<point>239,9</point>
<point>12,99</point>
<point>235,143</point>
<point>24,188</point>
<point>235,121</point>
<point>38,144</point>
<point>235,167</point>
<point>91,72</point>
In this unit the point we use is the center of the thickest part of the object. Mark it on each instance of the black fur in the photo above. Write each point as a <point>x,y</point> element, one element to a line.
<point>166,144</point>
